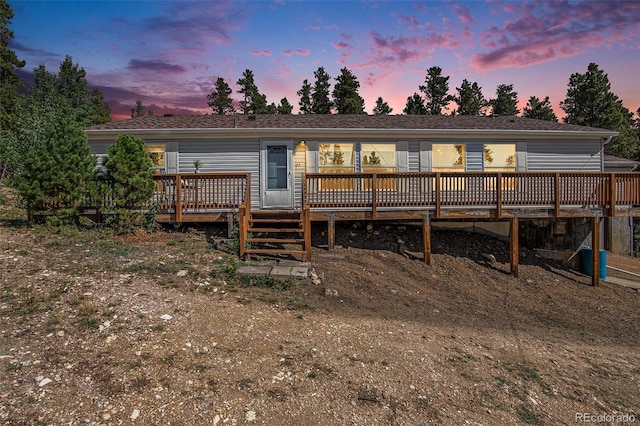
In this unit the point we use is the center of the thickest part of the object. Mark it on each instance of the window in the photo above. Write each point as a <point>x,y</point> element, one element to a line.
<point>449,158</point>
<point>336,158</point>
<point>156,152</point>
<point>500,157</point>
<point>378,158</point>
<point>277,169</point>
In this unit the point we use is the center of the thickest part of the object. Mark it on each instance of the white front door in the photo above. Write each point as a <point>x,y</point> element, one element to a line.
<point>276,183</point>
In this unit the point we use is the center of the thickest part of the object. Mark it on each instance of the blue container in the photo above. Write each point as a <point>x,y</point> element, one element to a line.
<point>587,267</point>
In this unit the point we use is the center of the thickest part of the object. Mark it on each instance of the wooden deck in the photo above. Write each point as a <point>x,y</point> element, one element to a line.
<point>214,197</point>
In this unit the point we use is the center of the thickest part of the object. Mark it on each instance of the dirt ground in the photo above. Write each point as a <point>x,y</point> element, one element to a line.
<point>156,329</point>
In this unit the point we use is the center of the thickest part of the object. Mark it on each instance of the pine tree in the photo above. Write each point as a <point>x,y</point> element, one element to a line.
<point>253,101</point>
<point>220,100</point>
<point>100,111</point>
<point>470,99</point>
<point>320,102</point>
<point>9,64</point>
<point>345,94</point>
<point>131,184</point>
<point>140,110</point>
<point>538,109</point>
<point>435,90</point>
<point>284,107</point>
<point>415,105</point>
<point>506,101</point>
<point>56,176</point>
<point>305,98</point>
<point>590,102</point>
<point>382,108</point>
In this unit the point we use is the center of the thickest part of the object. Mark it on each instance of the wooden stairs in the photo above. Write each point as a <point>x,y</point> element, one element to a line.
<point>276,233</point>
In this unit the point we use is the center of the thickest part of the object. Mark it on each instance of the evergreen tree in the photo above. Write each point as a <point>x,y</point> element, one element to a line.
<point>538,109</point>
<point>470,99</point>
<point>253,101</point>
<point>9,64</point>
<point>100,111</point>
<point>56,175</point>
<point>305,98</point>
<point>382,108</point>
<point>506,101</point>
<point>435,91</point>
<point>415,105</point>
<point>320,102</point>
<point>590,102</point>
<point>285,107</point>
<point>131,184</point>
<point>140,110</point>
<point>345,94</point>
<point>220,99</point>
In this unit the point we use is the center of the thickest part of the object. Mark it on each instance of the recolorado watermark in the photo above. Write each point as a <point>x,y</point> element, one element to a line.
<point>604,418</point>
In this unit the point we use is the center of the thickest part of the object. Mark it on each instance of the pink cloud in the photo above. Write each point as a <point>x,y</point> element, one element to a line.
<point>341,45</point>
<point>262,53</point>
<point>463,13</point>
<point>303,52</point>
<point>540,32</point>
<point>287,52</point>
<point>313,28</point>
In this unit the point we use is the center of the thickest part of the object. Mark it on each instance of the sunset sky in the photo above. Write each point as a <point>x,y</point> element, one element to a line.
<point>169,53</point>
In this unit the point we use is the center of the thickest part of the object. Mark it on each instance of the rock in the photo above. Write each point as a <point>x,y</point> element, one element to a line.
<point>166,317</point>
<point>330,292</point>
<point>491,258</point>
<point>182,273</point>
<point>369,227</point>
<point>135,414</point>
<point>44,382</point>
<point>250,416</point>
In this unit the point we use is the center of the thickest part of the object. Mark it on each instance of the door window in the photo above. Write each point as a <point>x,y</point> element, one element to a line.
<point>277,170</point>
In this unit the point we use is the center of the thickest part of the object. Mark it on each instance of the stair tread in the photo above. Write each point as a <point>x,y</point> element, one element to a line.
<point>276,240</point>
<point>275,251</point>
<point>275,220</point>
<point>282,230</point>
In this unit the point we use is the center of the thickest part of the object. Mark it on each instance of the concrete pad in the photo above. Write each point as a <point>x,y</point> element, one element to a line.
<point>300,272</point>
<point>281,271</point>
<point>255,270</point>
<point>288,262</point>
<point>623,282</point>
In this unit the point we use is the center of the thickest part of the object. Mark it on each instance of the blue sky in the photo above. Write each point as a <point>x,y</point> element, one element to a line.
<point>169,53</point>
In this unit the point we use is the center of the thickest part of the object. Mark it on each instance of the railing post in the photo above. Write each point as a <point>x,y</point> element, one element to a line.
<point>437,195</point>
<point>595,251</point>
<point>307,232</point>
<point>514,250</point>
<point>426,238</point>
<point>178,206</point>
<point>242,230</point>
<point>499,195</point>
<point>556,195</point>
<point>612,195</point>
<point>374,193</point>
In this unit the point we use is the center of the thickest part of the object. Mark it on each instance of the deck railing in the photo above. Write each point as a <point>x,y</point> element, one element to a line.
<point>202,192</point>
<point>435,190</point>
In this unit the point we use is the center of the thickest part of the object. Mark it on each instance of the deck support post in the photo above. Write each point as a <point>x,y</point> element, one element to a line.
<point>242,230</point>
<point>595,251</point>
<point>307,232</point>
<point>178,199</point>
<point>229,225</point>
<point>426,238</point>
<point>513,245</point>
<point>331,232</point>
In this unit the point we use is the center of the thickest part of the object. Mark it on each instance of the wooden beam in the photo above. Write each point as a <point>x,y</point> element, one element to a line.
<point>374,198</point>
<point>437,195</point>
<point>242,229</point>
<point>331,232</point>
<point>556,195</point>
<point>307,233</point>
<point>426,238</point>
<point>612,194</point>
<point>514,249</point>
<point>499,195</point>
<point>178,199</point>
<point>595,251</point>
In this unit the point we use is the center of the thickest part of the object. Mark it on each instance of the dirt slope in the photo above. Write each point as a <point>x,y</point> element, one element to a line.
<point>384,339</point>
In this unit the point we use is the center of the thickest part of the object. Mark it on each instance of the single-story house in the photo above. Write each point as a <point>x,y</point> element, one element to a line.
<point>352,167</point>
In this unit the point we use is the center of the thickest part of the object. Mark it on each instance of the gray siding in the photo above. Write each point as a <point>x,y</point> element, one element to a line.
<point>475,157</point>
<point>221,157</point>
<point>414,156</point>
<point>561,155</point>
